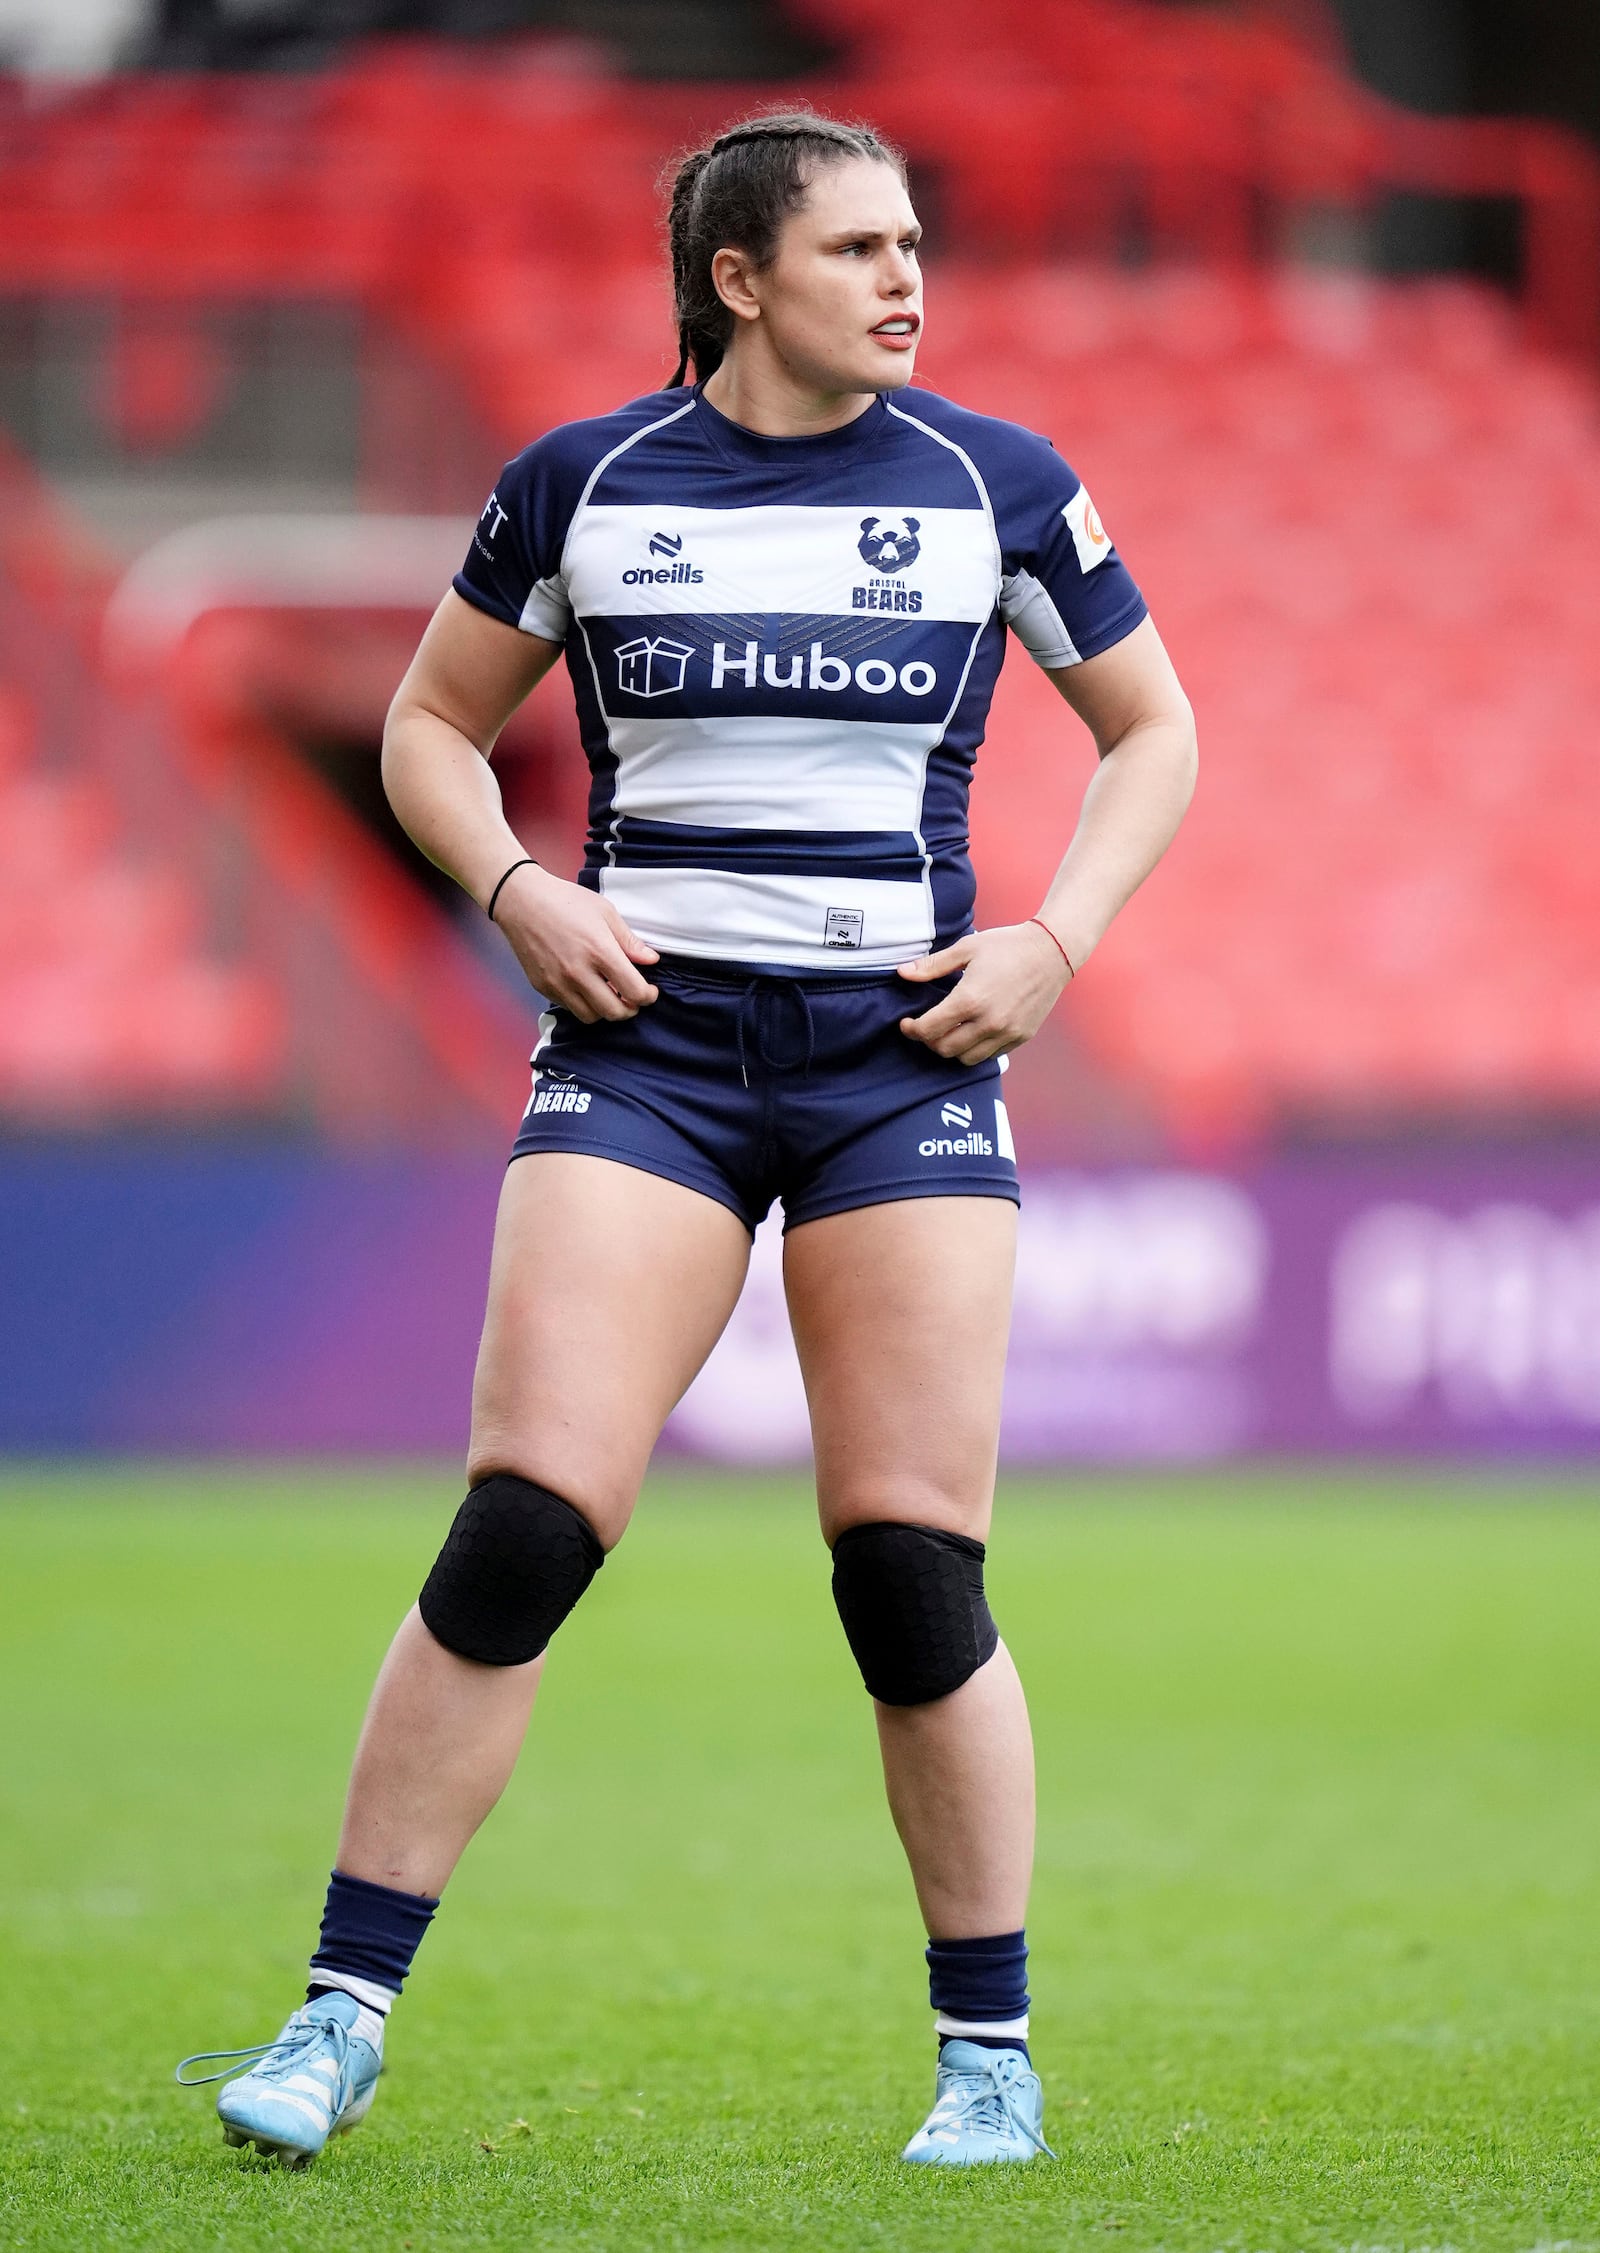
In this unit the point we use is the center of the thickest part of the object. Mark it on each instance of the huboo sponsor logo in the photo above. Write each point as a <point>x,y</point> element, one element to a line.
<point>652,665</point>
<point>815,670</point>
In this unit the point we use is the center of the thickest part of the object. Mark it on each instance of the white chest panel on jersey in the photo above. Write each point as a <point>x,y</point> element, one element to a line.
<point>807,561</point>
<point>772,773</point>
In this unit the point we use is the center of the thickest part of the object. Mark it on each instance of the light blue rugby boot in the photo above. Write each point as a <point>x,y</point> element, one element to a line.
<point>988,2105</point>
<point>316,2080</point>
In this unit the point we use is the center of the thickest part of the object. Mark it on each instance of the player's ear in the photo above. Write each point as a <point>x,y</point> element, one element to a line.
<point>867,523</point>
<point>730,278</point>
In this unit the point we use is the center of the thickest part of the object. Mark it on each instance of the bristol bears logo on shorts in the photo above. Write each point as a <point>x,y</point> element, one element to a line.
<point>889,543</point>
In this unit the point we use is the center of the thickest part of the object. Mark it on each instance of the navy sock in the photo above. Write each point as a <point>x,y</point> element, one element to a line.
<point>980,1983</point>
<point>369,1935</point>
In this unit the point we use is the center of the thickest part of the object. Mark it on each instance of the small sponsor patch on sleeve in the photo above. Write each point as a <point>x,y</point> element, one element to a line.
<point>1089,535</point>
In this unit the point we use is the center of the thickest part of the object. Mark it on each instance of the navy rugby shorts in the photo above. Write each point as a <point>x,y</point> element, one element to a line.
<point>751,1084</point>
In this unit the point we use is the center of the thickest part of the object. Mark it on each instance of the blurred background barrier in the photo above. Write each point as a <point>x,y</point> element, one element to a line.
<point>278,1299</point>
<point>281,287</point>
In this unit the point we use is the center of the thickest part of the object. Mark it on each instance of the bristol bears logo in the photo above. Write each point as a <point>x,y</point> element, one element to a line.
<point>889,543</point>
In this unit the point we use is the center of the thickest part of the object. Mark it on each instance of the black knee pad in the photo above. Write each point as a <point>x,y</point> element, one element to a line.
<point>914,1612</point>
<point>513,1564</point>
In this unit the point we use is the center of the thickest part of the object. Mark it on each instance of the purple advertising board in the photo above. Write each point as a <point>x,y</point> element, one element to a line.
<point>1387,1304</point>
<point>1414,1302</point>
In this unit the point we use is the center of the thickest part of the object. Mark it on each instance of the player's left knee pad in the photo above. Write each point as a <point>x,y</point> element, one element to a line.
<point>914,1612</point>
<point>513,1564</point>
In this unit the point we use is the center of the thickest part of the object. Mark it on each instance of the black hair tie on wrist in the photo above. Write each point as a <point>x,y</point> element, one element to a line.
<point>527,861</point>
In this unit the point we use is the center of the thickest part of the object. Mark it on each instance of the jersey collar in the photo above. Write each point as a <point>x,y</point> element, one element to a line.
<point>737,443</point>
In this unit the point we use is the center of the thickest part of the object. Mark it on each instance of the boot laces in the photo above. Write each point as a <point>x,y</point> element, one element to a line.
<point>988,2100</point>
<point>272,2060</point>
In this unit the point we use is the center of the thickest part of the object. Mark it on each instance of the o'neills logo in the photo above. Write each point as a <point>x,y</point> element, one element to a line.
<point>677,575</point>
<point>970,1144</point>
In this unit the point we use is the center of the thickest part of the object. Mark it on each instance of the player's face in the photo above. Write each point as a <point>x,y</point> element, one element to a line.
<point>842,300</point>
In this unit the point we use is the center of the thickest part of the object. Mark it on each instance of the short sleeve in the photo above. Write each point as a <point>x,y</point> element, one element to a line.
<point>1065,592</point>
<point>513,567</point>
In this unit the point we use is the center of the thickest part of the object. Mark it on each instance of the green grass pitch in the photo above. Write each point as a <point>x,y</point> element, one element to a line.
<point>1316,1944</point>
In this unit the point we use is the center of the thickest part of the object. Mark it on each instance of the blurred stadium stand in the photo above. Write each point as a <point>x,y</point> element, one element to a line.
<point>1366,512</point>
<point>106,979</point>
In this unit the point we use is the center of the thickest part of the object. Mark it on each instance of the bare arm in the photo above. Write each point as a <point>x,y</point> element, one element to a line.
<point>469,675</point>
<point>1131,702</point>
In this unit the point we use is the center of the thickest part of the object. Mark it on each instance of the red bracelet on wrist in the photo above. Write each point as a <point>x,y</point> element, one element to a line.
<point>1060,949</point>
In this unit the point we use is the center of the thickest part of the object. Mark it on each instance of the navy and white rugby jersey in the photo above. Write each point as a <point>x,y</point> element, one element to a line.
<point>784,650</point>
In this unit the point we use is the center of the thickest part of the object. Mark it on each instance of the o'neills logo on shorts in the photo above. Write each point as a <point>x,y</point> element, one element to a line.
<point>970,1144</point>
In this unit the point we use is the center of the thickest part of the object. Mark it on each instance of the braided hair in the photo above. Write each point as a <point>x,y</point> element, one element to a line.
<point>735,194</point>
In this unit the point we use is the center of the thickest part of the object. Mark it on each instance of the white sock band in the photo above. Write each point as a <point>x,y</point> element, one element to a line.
<point>364,1990</point>
<point>992,2029</point>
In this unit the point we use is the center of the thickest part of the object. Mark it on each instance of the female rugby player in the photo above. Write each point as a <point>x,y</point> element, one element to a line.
<point>782,593</point>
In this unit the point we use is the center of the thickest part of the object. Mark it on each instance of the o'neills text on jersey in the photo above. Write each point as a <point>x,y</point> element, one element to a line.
<point>677,575</point>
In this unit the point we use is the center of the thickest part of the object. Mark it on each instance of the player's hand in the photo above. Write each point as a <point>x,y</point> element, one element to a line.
<point>1011,979</point>
<point>574,946</point>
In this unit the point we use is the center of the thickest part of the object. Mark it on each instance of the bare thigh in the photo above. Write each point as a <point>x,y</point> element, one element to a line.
<point>607,1290</point>
<point>901,1314</point>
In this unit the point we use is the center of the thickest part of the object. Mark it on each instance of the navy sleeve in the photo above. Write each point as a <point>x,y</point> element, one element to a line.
<point>1065,592</point>
<point>513,567</point>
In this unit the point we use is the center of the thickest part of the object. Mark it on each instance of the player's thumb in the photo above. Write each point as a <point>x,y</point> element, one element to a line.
<point>635,948</point>
<point>941,964</point>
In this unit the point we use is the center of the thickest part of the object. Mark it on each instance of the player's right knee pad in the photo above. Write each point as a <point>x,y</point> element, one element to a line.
<point>513,1564</point>
<point>914,1612</point>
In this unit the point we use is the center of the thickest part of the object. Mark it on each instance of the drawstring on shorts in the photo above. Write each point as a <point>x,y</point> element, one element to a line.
<point>750,1015</point>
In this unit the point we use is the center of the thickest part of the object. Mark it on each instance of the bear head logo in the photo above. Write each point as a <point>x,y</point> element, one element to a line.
<point>889,543</point>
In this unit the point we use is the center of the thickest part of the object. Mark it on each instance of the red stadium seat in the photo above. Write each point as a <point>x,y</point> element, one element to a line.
<point>1367,514</point>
